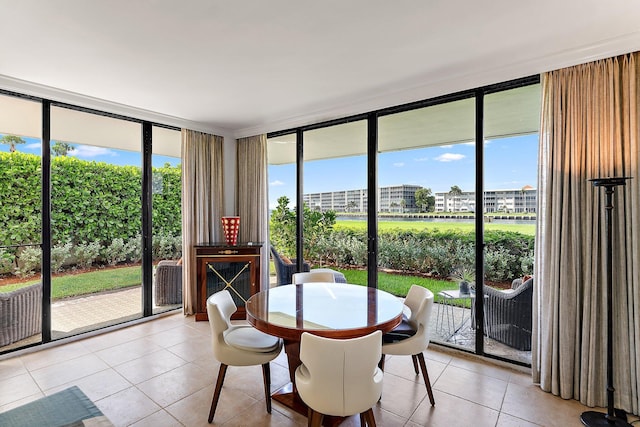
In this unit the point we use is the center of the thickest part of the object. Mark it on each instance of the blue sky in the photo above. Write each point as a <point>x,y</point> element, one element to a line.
<point>510,163</point>
<point>99,154</point>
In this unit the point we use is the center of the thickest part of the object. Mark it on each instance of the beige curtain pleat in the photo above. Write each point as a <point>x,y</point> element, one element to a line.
<point>589,129</point>
<point>252,196</point>
<point>202,203</point>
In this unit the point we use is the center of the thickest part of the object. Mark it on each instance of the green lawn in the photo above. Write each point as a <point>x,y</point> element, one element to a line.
<point>69,285</point>
<point>124,277</point>
<point>397,284</point>
<point>384,225</point>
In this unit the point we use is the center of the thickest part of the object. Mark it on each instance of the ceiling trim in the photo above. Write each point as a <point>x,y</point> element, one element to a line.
<point>74,99</point>
<point>451,81</point>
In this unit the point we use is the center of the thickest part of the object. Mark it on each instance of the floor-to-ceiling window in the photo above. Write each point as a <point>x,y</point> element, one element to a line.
<point>282,181</point>
<point>511,120</point>
<point>92,203</point>
<point>441,182</point>
<point>167,219</point>
<point>20,221</point>
<point>96,221</point>
<point>335,198</point>
<point>426,170</point>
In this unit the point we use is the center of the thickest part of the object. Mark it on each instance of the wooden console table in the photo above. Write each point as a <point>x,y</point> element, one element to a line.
<point>234,268</point>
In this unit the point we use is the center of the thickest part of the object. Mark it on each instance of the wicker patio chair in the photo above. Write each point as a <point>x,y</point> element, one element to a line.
<point>509,315</point>
<point>285,270</point>
<point>20,314</point>
<point>168,283</point>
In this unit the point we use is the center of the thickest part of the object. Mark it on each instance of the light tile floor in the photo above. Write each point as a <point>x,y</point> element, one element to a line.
<point>161,373</point>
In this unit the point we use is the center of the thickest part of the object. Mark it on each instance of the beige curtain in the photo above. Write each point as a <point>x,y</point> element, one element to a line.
<point>252,197</point>
<point>202,203</point>
<point>589,128</point>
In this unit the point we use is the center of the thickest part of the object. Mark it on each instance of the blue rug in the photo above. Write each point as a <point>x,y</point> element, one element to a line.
<point>67,408</point>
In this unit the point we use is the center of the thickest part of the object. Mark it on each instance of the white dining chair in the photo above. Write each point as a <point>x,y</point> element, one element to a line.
<point>411,337</point>
<point>313,276</point>
<point>238,345</point>
<point>340,377</point>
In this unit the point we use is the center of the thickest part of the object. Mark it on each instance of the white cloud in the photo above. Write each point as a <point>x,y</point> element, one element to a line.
<point>398,164</point>
<point>36,146</point>
<point>421,159</point>
<point>450,157</point>
<point>276,183</point>
<point>87,151</point>
<point>470,143</point>
<point>446,146</point>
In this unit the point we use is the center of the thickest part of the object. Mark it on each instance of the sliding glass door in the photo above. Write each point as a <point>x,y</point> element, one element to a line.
<point>167,219</point>
<point>20,222</point>
<point>426,210</point>
<point>335,198</point>
<point>510,199</point>
<point>96,221</point>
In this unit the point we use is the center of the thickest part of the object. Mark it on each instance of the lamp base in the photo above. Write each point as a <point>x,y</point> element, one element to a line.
<point>600,419</point>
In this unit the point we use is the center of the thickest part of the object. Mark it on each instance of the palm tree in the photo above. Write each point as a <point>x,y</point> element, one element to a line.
<point>61,148</point>
<point>12,141</point>
<point>455,192</point>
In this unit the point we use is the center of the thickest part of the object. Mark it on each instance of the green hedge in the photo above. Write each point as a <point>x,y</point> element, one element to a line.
<point>91,202</point>
<point>439,253</point>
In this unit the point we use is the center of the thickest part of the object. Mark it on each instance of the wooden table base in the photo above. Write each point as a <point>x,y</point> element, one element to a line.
<point>287,397</point>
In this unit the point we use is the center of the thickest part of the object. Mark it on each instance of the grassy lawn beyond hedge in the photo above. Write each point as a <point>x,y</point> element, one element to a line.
<point>389,225</point>
<point>75,284</point>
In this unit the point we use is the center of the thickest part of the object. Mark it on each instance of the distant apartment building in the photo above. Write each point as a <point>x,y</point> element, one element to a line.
<point>395,198</point>
<point>401,199</point>
<point>522,200</point>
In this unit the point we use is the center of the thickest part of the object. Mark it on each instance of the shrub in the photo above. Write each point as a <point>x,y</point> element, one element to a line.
<point>29,261</point>
<point>86,253</point>
<point>60,254</point>
<point>7,261</point>
<point>133,249</point>
<point>499,265</point>
<point>507,254</point>
<point>115,253</point>
<point>166,246</point>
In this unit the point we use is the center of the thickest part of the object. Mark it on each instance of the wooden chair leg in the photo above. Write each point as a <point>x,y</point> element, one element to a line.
<point>314,418</point>
<point>216,394</point>
<point>367,418</point>
<point>266,375</point>
<point>425,376</point>
<point>415,363</point>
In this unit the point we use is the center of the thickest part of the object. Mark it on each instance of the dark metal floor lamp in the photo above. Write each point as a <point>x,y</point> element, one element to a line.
<point>613,417</point>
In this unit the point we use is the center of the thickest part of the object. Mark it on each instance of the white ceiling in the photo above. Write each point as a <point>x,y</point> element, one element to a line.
<point>244,67</point>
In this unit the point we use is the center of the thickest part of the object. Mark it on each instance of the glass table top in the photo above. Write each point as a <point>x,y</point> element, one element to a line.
<point>327,308</point>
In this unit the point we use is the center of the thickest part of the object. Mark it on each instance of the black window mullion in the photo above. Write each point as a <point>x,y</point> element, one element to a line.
<point>300,199</point>
<point>45,266</point>
<point>372,200</point>
<point>479,225</point>
<point>147,223</point>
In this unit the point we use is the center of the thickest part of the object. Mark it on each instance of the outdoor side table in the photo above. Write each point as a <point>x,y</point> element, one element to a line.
<point>453,314</point>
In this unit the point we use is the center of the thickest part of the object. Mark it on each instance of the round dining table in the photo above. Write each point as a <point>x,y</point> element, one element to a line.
<point>333,310</point>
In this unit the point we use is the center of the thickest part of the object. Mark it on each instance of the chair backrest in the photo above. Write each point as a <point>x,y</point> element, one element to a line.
<point>313,276</point>
<point>420,301</point>
<point>220,307</point>
<point>275,255</point>
<point>340,376</point>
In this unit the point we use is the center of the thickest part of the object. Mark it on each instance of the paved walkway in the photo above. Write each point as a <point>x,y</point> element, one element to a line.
<point>72,316</point>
